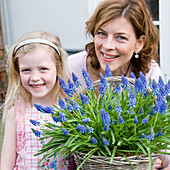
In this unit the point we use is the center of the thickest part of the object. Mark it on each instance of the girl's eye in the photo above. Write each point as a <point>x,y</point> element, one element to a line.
<point>26,70</point>
<point>44,69</point>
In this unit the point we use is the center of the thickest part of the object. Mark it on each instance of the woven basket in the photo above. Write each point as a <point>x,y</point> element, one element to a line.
<point>140,162</point>
<point>120,163</point>
<point>115,79</point>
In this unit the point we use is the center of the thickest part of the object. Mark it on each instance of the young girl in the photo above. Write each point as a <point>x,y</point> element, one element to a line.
<point>34,64</point>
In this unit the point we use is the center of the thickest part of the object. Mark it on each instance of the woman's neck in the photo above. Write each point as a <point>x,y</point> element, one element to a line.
<point>95,73</point>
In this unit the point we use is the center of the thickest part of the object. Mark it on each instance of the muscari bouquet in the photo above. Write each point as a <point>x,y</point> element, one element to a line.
<point>117,117</point>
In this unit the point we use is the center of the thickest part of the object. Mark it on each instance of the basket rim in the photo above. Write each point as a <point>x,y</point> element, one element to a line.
<point>118,160</point>
<point>116,79</point>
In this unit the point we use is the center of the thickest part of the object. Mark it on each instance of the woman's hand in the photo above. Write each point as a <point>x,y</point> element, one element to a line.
<point>158,165</point>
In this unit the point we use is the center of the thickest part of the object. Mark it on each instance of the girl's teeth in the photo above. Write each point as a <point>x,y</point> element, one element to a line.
<point>108,56</point>
<point>37,85</point>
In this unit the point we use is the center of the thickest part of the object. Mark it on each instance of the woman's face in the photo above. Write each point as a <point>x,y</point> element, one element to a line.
<point>115,42</point>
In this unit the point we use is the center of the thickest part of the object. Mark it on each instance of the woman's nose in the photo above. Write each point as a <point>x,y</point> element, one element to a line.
<point>109,43</point>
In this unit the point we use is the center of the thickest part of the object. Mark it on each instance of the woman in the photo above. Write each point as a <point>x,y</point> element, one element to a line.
<point>124,37</point>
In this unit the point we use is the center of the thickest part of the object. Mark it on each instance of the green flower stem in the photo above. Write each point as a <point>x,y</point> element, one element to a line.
<point>105,101</point>
<point>121,127</point>
<point>92,111</point>
<point>135,129</point>
<point>155,120</point>
<point>73,128</point>
<point>163,160</point>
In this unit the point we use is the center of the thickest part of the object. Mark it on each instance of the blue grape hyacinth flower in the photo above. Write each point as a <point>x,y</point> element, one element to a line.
<point>36,132</point>
<point>108,72</point>
<point>76,80</point>
<point>62,103</point>
<point>66,132</point>
<point>105,142</point>
<point>132,98</point>
<point>160,132</point>
<point>46,109</point>
<point>81,128</point>
<point>94,140</point>
<point>86,120</point>
<point>125,82</point>
<point>87,80</point>
<point>55,118</point>
<point>151,135</point>
<point>103,81</point>
<point>118,109</point>
<point>135,119</point>
<point>121,120</point>
<point>35,123</point>
<point>62,117</point>
<point>105,118</point>
<point>84,99</point>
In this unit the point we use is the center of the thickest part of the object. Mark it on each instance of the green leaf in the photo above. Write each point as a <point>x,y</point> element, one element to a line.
<point>113,154</point>
<point>113,137</point>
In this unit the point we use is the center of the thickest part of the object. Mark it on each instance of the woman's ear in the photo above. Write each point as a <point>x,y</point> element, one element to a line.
<point>140,43</point>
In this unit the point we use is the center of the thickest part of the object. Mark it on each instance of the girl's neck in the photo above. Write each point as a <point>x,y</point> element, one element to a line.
<point>42,102</point>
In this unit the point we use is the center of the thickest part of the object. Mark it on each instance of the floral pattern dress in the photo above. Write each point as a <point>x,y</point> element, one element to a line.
<point>28,144</point>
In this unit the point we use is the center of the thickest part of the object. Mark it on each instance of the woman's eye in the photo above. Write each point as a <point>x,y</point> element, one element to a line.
<point>101,34</point>
<point>121,38</point>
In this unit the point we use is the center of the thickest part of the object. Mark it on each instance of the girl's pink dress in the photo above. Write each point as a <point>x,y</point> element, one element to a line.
<point>28,144</point>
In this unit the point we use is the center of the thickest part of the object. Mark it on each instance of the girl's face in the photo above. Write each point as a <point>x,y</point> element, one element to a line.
<point>115,42</point>
<point>38,74</point>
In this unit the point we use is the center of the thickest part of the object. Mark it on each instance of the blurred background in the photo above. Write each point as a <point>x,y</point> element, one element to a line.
<point>66,18</point>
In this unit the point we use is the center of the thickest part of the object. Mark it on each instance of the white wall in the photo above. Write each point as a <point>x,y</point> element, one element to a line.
<point>65,18</point>
<point>165,38</point>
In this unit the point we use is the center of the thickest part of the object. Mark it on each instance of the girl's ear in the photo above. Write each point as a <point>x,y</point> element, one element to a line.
<point>140,43</point>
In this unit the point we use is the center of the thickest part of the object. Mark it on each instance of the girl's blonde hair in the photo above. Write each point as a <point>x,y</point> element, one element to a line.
<point>137,13</point>
<point>15,89</point>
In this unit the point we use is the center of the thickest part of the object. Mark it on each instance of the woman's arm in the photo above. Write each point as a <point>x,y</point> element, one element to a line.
<point>8,154</point>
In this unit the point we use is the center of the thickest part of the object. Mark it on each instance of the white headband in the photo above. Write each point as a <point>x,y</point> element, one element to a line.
<point>42,41</point>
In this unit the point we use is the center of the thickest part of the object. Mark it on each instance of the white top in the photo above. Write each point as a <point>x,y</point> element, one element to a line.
<point>77,62</point>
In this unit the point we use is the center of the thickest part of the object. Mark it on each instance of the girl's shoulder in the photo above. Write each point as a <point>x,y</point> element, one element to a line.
<point>11,114</point>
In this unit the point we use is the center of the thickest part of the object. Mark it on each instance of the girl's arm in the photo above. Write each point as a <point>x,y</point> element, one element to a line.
<point>8,154</point>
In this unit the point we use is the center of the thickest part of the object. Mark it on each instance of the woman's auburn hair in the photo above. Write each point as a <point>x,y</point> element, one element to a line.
<point>15,90</point>
<point>137,13</point>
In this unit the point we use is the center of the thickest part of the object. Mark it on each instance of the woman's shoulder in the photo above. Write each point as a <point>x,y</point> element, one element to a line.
<point>77,62</point>
<point>154,71</point>
<point>77,57</point>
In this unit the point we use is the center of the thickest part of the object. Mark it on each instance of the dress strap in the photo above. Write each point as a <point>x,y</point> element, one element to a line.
<point>20,110</point>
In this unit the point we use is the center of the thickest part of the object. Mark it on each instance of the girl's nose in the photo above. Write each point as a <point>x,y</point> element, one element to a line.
<point>35,77</point>
<point>109,43</point>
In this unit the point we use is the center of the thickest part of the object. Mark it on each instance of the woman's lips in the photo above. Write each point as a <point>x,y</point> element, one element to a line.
<point>109,58</point>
